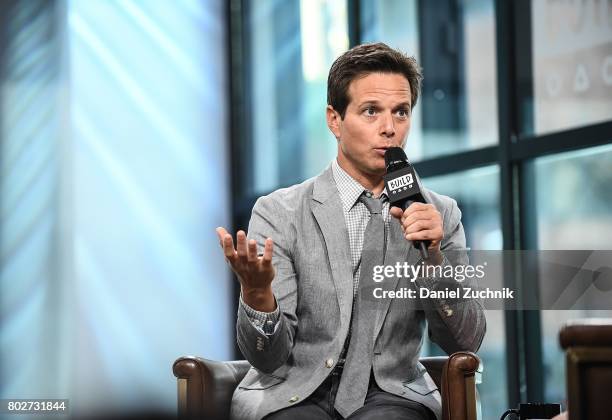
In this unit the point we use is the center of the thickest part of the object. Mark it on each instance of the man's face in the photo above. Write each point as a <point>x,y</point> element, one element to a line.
<point>377,117</point>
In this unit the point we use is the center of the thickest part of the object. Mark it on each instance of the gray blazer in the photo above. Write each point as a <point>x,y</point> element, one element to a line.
<point>314,291</point>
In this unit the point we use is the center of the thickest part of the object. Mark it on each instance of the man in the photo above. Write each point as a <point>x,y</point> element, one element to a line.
<point>320,348</point>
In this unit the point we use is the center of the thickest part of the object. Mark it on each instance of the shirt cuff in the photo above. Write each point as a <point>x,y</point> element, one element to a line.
<point>265,322</point>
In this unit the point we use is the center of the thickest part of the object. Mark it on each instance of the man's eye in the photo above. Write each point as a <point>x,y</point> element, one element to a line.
<point>370,111</point>
<point>403,113</point>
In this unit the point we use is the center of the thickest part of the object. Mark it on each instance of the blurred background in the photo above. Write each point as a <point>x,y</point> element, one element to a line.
<point>130,129</point>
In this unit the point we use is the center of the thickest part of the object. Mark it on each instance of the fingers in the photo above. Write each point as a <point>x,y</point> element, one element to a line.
<point>425,235</point>
<point>268,251</point>
<point>252,251</point>
<point>221,232</point>
<point>420,225</point>
<point>420,212</point>
<point>241,246</point>
<point>227,244</point>
<point>424,229</point>
<point>420,222</point>
<point>396,212</point>
<point>246,250</point>
<point>419,206</point>
<point>415,209</point>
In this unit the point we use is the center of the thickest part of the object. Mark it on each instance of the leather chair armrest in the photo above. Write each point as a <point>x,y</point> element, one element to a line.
<point>460,375</point>
<point>589,332</point>
<point>205,387</point>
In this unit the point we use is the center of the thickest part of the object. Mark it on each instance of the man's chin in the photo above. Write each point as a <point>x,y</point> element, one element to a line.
<point>377,171</point>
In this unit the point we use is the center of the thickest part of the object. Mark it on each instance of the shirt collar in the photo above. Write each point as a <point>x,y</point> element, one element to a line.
<point>350,190</point>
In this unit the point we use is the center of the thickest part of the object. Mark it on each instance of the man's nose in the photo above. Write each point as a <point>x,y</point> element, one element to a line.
<point>387,128</point>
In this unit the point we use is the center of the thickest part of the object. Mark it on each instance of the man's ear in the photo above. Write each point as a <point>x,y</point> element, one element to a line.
<point>333,121</point>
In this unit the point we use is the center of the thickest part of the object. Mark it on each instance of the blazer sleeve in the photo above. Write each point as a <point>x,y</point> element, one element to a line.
<point>454,324</point>
<point>267,352</point>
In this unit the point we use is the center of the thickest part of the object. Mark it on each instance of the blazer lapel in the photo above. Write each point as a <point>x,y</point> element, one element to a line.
<point>327,209</point>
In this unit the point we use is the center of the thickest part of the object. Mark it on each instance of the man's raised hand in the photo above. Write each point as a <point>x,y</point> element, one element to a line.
<point>254,272</point>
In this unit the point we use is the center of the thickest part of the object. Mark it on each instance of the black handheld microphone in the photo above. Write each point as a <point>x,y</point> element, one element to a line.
<point>402,187</point>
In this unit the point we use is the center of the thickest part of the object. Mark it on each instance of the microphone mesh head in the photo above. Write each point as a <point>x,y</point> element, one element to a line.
<point>395,154</point>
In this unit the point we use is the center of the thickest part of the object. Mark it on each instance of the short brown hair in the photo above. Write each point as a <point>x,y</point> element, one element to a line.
<point>369,58</point>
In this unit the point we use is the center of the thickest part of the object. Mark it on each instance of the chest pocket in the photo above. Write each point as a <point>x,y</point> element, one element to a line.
<point>257,380</point>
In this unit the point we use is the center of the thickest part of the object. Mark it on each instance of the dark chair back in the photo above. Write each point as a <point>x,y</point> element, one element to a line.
<point>588,349</point>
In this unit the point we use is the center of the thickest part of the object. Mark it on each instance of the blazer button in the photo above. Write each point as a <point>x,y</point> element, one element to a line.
<point>448,311</point>
<point>293,399</point>
<point>329,363</point>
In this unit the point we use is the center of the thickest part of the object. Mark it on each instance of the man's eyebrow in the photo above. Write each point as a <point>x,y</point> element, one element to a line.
<point>370,102</point>
<point>377,102</point>
<point>403,104</point>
